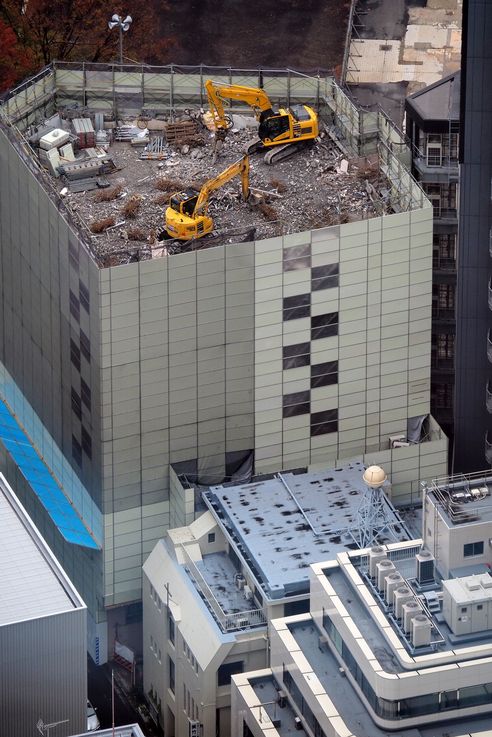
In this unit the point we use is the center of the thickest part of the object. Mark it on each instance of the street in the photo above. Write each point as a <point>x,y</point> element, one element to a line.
<point>99,694</point>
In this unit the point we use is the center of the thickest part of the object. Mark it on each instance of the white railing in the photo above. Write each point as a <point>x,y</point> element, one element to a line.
<point>227,622</point>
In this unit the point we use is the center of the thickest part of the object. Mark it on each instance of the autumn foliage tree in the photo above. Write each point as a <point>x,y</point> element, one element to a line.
<point>15,60</point>
<point>43,30</point>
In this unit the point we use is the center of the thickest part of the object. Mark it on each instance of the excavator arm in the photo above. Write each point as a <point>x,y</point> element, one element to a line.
<point>254,97</point>
<point>239,167</point>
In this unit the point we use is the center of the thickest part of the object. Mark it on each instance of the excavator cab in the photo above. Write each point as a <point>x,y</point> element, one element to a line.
<point>184,202</point>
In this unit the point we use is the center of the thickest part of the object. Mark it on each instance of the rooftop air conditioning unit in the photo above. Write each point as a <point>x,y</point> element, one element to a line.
<point>425,566</point>
<point>376,554</point>
<point>400,444</point>
<point>298,723</point>
<point>421,630</point>
<point>400,597</point>
<point>410,610</point>
<point>383,569</point>
<point>391,583</point>
<point>282,699</point>
<point>248,592</point>
<point>240,581</point>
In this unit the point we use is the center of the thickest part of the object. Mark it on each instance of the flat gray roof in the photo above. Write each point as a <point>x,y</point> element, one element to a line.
<point>347,702</point>
<point>32,584</point>
<point>282,526</point>
<point>440,100</point>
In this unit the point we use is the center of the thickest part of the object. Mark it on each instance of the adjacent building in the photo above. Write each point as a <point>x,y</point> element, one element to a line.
<point>473,396</point>
<point>432,126</point>
<point>277,353</point>
<point>43,631</point>
<point>212,588</point>
<point>375,654</point>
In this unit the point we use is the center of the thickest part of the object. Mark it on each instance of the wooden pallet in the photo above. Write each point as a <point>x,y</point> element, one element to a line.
<point>176,132</point>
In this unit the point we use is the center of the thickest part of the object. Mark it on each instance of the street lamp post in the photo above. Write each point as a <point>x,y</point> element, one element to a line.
<point>123,25</point>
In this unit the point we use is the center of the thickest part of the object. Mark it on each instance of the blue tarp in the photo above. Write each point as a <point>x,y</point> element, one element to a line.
<point>42,482</point>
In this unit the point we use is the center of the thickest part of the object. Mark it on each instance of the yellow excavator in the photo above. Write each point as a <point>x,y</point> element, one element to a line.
<point>186,216</point>
<point>283,131</point>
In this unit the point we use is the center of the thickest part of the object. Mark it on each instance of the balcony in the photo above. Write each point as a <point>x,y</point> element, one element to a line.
<point>446,216</point>
<point>444,365</point>
<point>442,263</point>
<point>441,174</point>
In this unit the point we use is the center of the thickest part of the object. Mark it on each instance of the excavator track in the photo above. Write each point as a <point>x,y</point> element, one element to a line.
<point>254,147</point>
<point>280,153</point>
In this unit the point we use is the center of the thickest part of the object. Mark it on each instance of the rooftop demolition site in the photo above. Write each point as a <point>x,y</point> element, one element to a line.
<point>118,176</point>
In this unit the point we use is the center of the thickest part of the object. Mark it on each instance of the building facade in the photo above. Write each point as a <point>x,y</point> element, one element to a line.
<point>473,398</point>
<point>43,631</point>
<point>432,126</point>
<point>284,352</point>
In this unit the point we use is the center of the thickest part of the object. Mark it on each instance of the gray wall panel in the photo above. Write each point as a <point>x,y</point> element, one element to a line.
<point>43,674</point>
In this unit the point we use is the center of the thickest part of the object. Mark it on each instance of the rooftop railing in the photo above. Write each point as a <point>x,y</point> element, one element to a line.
<point>227,622</point>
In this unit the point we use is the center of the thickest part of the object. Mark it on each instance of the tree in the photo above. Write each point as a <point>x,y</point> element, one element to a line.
<point>78,29</point>
<point>15,60</point>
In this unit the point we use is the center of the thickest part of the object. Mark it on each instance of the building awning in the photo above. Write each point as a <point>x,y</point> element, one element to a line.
<point>35,471</point>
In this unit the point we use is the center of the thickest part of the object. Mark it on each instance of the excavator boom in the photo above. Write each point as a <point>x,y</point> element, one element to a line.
<point>254,97</point>
<point>239,167</point>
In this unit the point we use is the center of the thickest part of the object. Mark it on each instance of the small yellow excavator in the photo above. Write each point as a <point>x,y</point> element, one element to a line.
<point>283,131</point>
<point>186,216</point>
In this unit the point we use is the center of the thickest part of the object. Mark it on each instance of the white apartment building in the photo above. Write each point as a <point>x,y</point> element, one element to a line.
<point>376,654</point>
<point>212,587</point>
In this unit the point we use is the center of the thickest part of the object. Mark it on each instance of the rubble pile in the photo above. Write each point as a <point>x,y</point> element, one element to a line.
<point>118,190</point>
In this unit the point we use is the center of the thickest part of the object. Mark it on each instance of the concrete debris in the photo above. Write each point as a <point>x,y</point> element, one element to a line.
<point>319,186</point>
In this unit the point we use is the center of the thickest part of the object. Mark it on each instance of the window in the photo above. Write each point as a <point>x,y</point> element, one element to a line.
<point>84,296</point>
<point>172,673</point>
<point>297,306</point>
<point>85,346</point>
<point>464,609</point>
<point>73,255</point>
<point>297,403</point>
<point>471,549</point>
<point>324,277</point>
<point>226,670</point>
<point>324,374</point>
<point>86,443</point>
<point>322,326</point>
<point>74,306</point>
<point>296,607</point>
<point>75,354</point>
<point>479,607</point>
<point>171,628</point>
<point>325,422</point>
<point>434,150</point>
<point>85,394</point>
<point>76,451</point>
<point>76,406</point>
<point>211,537</point>
<point>296,355</point>
<point>297,257</point>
